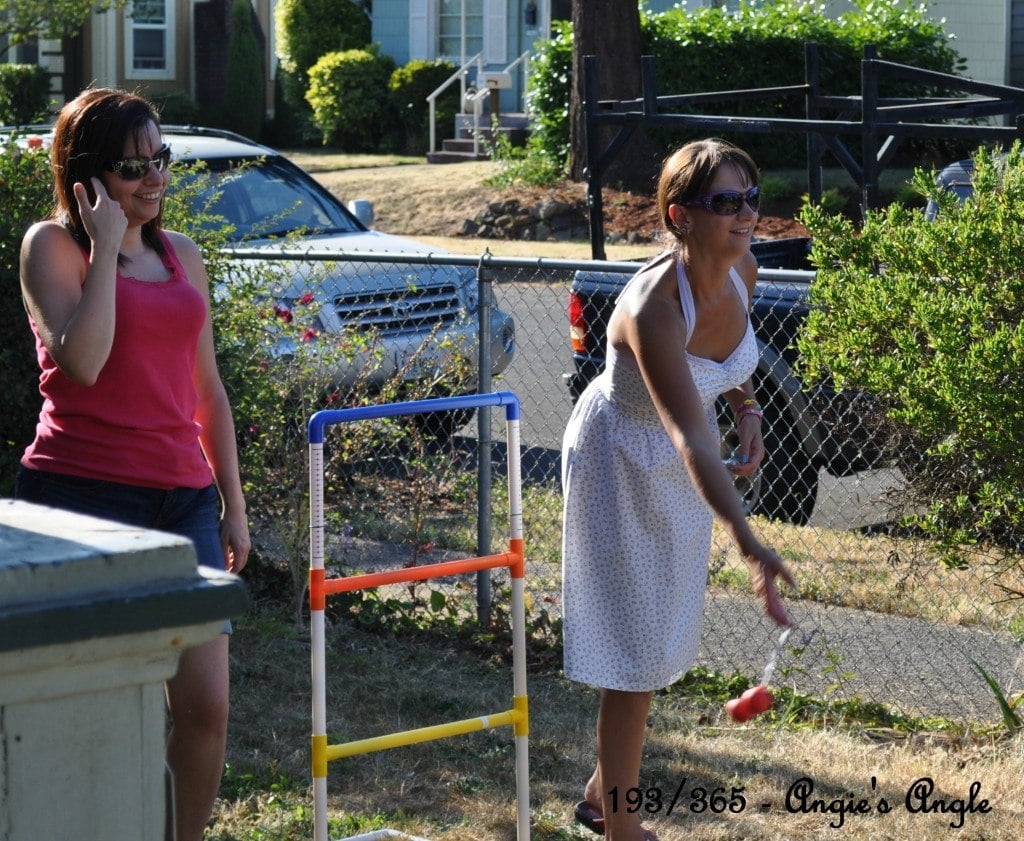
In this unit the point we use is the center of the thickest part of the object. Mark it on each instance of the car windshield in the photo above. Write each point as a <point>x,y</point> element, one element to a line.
<point>266,197</point>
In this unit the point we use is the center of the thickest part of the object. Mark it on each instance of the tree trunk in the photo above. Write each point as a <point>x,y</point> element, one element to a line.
<point>610,30</point>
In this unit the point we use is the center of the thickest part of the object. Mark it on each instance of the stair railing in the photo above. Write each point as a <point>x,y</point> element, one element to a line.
<point>460,76</point>
<point>477,98</point>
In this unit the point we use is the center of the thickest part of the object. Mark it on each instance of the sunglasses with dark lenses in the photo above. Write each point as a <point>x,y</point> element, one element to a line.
<point>134,168</point>
<point>728,202</point>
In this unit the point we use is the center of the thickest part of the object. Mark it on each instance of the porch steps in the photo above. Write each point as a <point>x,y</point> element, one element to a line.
<point>459,149</point>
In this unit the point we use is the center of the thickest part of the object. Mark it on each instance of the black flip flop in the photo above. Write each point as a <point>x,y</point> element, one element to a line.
<point>590,816</point>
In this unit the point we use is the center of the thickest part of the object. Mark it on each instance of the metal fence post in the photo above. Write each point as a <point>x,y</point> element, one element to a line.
<point>483,425</point>
<point>869,137</point>
<point>814,142</point>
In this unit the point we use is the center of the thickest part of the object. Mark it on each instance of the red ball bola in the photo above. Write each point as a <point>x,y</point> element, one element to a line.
<point>754,701</point>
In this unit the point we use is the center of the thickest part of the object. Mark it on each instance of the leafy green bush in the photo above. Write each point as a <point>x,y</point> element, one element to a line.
<point>758,46</point>
<point>245,94</point>
<point>278,371</point>
<point>25,197</point>
<point>352,106</point>
<point>306,30</point>
<point>24,94</point>
<point>176,107</point>
<point>272,393</point>
<point>775,188</point>
<point>928,316</point>
<point>530,164</point>
<point>292,124</point>
<point>309,29</point>
<point>410,85</point>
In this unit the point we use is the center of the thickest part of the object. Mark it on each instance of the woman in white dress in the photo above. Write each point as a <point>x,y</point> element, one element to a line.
<point>642,469</point>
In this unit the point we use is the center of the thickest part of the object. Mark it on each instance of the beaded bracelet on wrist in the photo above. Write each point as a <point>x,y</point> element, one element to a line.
<point>749,407</point>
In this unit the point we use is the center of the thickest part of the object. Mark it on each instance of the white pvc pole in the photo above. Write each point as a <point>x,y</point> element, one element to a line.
<point>515,511</point>
<point>318,656</point>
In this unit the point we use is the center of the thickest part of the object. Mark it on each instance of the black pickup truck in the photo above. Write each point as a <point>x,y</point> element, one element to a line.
<point>805,429</point>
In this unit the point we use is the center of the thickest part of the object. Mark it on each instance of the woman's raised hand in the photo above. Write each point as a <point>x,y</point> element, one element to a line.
<point>104,219</point>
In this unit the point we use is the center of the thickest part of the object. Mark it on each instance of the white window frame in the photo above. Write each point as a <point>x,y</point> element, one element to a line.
<point>454,57</point>
<point>169,28</point>
<point>424,17</point>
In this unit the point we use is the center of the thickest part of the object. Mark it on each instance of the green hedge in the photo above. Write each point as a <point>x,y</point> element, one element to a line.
<point>245,101</point>
<point>352,105</point>
<point>309,29</point>
<point>926,315</point>
<point>409,86</point>
<point>759,46</point>
<point>24,94</point>
<point>25,197</point>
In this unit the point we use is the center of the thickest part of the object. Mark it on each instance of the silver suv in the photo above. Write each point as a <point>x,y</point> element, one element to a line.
<point>419,312</point>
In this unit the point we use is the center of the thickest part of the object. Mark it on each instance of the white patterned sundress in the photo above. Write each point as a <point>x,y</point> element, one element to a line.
<point>637,535</point>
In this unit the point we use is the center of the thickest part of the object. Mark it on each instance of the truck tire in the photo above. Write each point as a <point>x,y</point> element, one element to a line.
<point>786,486</point>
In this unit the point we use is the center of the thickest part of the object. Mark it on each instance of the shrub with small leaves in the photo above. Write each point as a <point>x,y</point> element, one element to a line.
<point>410,86</point>
<point>689,43</point>
<point>24,94</point>
<point>245,94</point>
<point>352,106</point>
<point>26,196</point>
<point>928,316</point>
<point>279,370</point>
<point>309,29</point>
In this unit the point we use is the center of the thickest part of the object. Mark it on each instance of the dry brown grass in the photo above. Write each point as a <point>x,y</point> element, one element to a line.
<point>461,789</point>
<point>892,575</point>
<point>429,202</point>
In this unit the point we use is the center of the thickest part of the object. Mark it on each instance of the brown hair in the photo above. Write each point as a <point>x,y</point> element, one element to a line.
<point>688,172</point>
<point>90,134</point>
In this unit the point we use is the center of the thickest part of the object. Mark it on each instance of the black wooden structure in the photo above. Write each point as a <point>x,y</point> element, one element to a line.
<point>883,122</point>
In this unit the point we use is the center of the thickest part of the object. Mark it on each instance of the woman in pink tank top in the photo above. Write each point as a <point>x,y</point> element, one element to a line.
<point>135,424</point>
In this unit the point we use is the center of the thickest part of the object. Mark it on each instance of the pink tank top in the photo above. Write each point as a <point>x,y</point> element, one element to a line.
<point>136,425</point>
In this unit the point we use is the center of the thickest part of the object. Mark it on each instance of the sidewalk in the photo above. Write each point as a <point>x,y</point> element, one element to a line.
<point>916,666</point>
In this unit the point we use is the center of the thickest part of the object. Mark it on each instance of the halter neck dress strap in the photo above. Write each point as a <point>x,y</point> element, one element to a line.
<point>686,296</point>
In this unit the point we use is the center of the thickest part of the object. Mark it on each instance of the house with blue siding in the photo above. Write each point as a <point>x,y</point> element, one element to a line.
<point>181,45</point>
<point>490,36</point>
<point>989,34</point>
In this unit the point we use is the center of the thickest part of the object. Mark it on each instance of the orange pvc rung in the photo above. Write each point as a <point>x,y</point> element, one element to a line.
<point>419,573</point>
<point>517,547</point>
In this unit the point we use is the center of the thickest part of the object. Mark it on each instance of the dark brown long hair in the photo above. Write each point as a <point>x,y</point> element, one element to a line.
<point>90,134</point>
<point>688,172</point>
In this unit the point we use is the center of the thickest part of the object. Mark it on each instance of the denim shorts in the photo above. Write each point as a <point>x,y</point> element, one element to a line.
<point>188,512</point>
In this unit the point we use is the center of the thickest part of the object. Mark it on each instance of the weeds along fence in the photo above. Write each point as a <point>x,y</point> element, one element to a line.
<point>880,619</point>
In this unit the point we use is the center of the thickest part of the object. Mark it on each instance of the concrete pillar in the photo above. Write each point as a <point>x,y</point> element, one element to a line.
<point>93,617</point>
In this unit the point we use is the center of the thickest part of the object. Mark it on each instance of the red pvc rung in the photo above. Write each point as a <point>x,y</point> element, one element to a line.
<point>317,592</point>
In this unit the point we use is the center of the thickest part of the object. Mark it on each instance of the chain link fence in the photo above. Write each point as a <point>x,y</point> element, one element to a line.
<point>879,618</point>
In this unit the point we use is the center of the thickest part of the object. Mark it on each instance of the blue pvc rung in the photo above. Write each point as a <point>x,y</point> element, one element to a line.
<point>329,417</point>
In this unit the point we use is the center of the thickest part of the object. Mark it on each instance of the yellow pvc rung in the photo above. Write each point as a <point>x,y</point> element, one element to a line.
<point>422,734</point>
<point>319,756</point>
<point>521,706</point>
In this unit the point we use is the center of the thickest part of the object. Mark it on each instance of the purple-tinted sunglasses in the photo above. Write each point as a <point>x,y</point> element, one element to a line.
<point>728,202</point>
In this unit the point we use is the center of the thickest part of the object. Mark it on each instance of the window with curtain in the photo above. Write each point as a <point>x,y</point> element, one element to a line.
<point>149,39</point>
<point>450,28</point>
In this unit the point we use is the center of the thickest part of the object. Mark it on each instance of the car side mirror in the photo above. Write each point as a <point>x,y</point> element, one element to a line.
<point>362,209</point>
